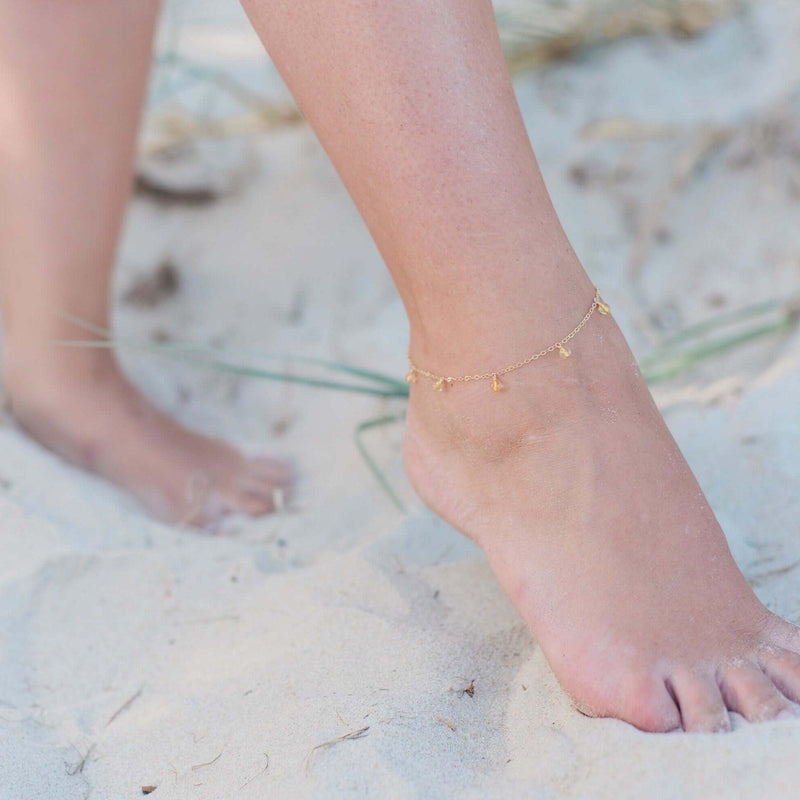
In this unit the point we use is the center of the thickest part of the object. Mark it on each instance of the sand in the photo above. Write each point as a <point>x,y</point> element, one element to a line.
<point>341,648</point>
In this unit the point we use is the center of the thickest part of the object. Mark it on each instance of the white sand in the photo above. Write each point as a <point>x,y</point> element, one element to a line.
<point>188,662</point>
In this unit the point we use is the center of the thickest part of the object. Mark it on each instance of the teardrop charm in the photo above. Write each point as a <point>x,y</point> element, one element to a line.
<point>439,385</point>
<point>564,352</point>
<point>603,307</point>
<point>411,377</point>
<point>497,384</point>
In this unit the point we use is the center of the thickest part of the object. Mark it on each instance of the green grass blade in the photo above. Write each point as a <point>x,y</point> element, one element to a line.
<point>372,465</point>
<point>717,321</point>
<point>253,372</point>
<point>287,377</point>
<point>400,386</point>
<point>656,370</point>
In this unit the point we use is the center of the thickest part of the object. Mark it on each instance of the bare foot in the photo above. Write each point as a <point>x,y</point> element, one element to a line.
<point>91,415</point>
<point>596,528</point>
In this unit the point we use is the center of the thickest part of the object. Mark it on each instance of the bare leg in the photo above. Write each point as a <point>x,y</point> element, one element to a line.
<point>568,479</point>
<point>72,77</point>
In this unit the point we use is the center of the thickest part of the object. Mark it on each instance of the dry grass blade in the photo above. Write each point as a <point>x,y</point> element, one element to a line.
<point>78,767</point>
<point>704,144</point>
<point>126,705</point>
<point>625,129</point>
<point>176,128</point>
<point>325,745</point>
<point>258,774</point>
<point>696,154</point>
<point>541,32</point>
<point>208,763</point>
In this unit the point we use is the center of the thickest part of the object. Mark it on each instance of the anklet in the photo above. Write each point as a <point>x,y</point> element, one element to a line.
<point>442,381</point>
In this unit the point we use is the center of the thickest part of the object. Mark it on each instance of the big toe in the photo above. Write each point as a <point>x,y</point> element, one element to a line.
<point>261,486</point>
<point>254,487</point>
<point>649,706</point>
<point>274,471</point>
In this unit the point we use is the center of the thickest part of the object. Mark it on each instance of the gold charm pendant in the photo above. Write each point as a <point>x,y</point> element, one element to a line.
<point>564,352</point>
<point>439,385</point>
<point>602,306</point>
<point>411,377</point>
<point>497,384</point>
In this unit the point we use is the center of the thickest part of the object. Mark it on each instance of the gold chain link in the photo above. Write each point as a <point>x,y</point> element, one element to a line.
<point>440,381</point>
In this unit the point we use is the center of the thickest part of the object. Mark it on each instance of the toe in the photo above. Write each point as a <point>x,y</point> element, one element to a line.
<point>260,495</point>
<point>783,669</point>
<point>748,691</point>
<point>254,505</point>
<point>651,707</point>
<point>254,498</point>
<point>208,502</point>
<point>275,472</point>
<point>785,634</point>
<point>700,701</point>
<point>260,487</point>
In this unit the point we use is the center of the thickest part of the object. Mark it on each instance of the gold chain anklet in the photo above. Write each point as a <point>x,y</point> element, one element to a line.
<point>441,381</point>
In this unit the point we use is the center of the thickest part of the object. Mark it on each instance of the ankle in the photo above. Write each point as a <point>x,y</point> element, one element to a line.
<point>515,315</point>
<point>588,331</point>
<point>537,402</point>
<point>39,379</point>
<point>473,422</point>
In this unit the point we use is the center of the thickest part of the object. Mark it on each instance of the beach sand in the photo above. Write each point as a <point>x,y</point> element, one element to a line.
<point>341,648</point>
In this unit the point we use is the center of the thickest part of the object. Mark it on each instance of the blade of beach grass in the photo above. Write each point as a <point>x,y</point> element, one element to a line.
<point>287,377</point>
<point>671,365</point>
<point>372,465</point>
<point>540,31</point>
<point>250,372</point>
<point>168,348</point>
<point>183,352</point>
<point>180,350</point>
<point>719,321</point>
